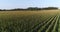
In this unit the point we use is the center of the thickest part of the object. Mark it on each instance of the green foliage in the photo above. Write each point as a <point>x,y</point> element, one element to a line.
<point>31,21</point>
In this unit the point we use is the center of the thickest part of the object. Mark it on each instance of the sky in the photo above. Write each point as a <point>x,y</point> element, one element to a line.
<point>50,3</point>
<point>11,4</point>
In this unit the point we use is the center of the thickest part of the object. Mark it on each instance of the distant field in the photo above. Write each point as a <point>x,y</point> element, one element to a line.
<point>30,21</point>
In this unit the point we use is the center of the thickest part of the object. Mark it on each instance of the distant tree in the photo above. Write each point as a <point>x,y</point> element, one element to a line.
<point>33,8</point>
<point>30,9</point>
<point>49,8</point>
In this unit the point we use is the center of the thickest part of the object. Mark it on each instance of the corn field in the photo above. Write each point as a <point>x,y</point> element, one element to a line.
<point>30,21</point>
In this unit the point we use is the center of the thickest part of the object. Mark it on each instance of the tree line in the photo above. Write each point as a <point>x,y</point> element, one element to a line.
<point>30,9</point>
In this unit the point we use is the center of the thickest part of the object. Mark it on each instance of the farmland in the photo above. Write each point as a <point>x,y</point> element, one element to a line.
<point>30,21</point>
